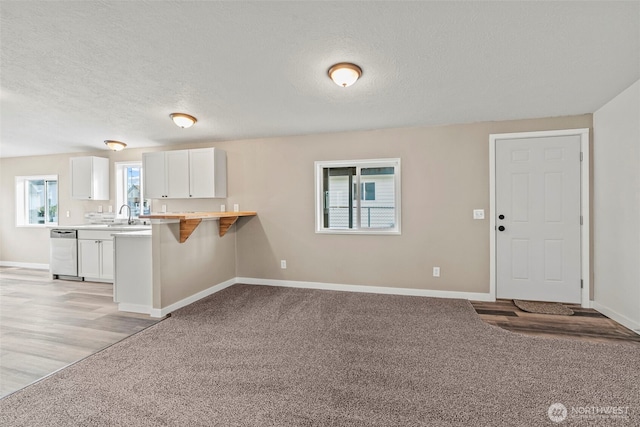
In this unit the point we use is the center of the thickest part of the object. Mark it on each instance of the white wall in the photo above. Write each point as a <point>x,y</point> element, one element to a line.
<point>617,208</point>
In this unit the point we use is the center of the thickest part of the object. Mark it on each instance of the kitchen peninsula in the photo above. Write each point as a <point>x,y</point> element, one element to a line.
<point>190,255</point>
<point>190,220</point>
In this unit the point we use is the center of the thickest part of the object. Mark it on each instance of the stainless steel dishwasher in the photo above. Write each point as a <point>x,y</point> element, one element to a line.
<point>64,253</point>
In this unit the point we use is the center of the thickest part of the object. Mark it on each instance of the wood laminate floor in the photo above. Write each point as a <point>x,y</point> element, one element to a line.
<point>585,324</point>
<point>47,324</point>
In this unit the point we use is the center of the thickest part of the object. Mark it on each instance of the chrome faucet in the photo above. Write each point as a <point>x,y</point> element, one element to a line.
<point>129,221</point>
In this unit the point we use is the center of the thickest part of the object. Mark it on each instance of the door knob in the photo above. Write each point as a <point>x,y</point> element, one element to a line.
<point>501,228</point>
<point>500,216</point>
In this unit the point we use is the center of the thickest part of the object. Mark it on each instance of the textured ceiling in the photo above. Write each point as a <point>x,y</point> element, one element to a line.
<point>73,74</point>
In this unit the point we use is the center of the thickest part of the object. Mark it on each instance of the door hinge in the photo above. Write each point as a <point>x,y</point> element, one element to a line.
<point>581,157</point>
<point>581,283</point>
<point>581,220</point>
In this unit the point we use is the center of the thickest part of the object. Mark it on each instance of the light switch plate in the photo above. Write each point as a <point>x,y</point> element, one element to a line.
<point>478,214</point>
<point>236,208</point>
<point>223,208</point>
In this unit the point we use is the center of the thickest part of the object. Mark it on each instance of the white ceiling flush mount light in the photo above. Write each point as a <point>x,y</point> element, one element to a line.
<point>345,74</point>
<point>115,145</point>
<point>183,120</point>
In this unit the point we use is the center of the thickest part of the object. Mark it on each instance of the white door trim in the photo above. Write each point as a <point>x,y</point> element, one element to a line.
<point>584,203</point>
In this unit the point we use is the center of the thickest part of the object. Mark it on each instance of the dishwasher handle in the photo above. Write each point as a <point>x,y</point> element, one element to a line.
<point>64,234</point>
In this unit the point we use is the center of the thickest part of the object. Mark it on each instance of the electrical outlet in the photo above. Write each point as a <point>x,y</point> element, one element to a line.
<point>283,264</point>
<point>68,214</point>
<point>164,208</point>
<point>99,208</point>
<point>223,208</point>
<point>236,208</point>
<point>478,214</point>
<point>436,271</point>
<point>110,209</point>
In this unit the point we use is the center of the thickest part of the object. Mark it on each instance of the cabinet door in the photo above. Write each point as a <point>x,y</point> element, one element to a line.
<point>106,259</point>
<point>177,173</point>
<point>81,182</point>
<point>153,171</point>
<point>99,178</point>
<point>89,258</point>
<point>202,173</point>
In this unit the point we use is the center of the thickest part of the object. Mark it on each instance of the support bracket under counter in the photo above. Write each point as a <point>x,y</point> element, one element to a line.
<point>189,221</point>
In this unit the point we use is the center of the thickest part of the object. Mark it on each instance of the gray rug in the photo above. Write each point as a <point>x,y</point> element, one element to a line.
<point>268,356</point>
<point>543,307</point>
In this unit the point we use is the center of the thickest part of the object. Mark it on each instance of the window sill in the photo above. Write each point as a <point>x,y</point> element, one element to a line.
<point>371,232</point>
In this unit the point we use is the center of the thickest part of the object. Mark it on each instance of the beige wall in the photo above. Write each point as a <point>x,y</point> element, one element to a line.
<point>181,270</point>
<point>444,177</point>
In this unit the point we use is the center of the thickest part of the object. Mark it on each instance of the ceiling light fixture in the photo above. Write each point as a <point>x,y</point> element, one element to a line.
<point>345,74</point>
<point>115,145</point>
<point>183,120</point>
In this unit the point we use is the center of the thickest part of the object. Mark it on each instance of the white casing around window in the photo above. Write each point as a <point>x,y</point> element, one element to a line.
<point>358,164</point>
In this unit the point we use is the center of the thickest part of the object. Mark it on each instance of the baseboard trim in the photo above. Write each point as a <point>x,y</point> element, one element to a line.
<point>155,312</point>
<point>620,318</point>
<point>367,289</point>
<point>32,265</point>
<point>135,308</point>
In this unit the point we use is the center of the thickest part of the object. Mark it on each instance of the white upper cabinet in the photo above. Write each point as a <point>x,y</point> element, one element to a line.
<point>177,173</point>
<point>183,174</point>
<point>153,172</point>
<point>207,173</point>
<point>90,178</point>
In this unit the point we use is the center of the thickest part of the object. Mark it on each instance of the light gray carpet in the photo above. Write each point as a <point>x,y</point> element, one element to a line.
<point>268,356</point>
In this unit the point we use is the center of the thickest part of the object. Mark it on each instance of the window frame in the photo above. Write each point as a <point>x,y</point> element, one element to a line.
<point>359,165</point>
<point>121,192</point>
<point>21,199</point>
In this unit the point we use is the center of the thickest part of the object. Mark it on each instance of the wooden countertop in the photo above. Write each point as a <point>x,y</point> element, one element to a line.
<point>197,215</point>
<point>190,220</point>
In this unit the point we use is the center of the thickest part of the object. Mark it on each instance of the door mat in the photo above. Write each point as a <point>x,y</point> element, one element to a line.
<point>543,307</point>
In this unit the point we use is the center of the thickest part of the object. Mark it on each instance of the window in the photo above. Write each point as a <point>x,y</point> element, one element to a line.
<point>358,196</point>
<point>36,200</point>
<point>129,190</point>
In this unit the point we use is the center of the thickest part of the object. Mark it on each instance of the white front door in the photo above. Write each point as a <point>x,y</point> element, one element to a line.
<point>537,213</point>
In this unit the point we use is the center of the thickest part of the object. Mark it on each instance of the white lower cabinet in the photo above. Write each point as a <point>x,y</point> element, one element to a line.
<point>95,255</point>
<point>133,287</point>
<point>106,259</point>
